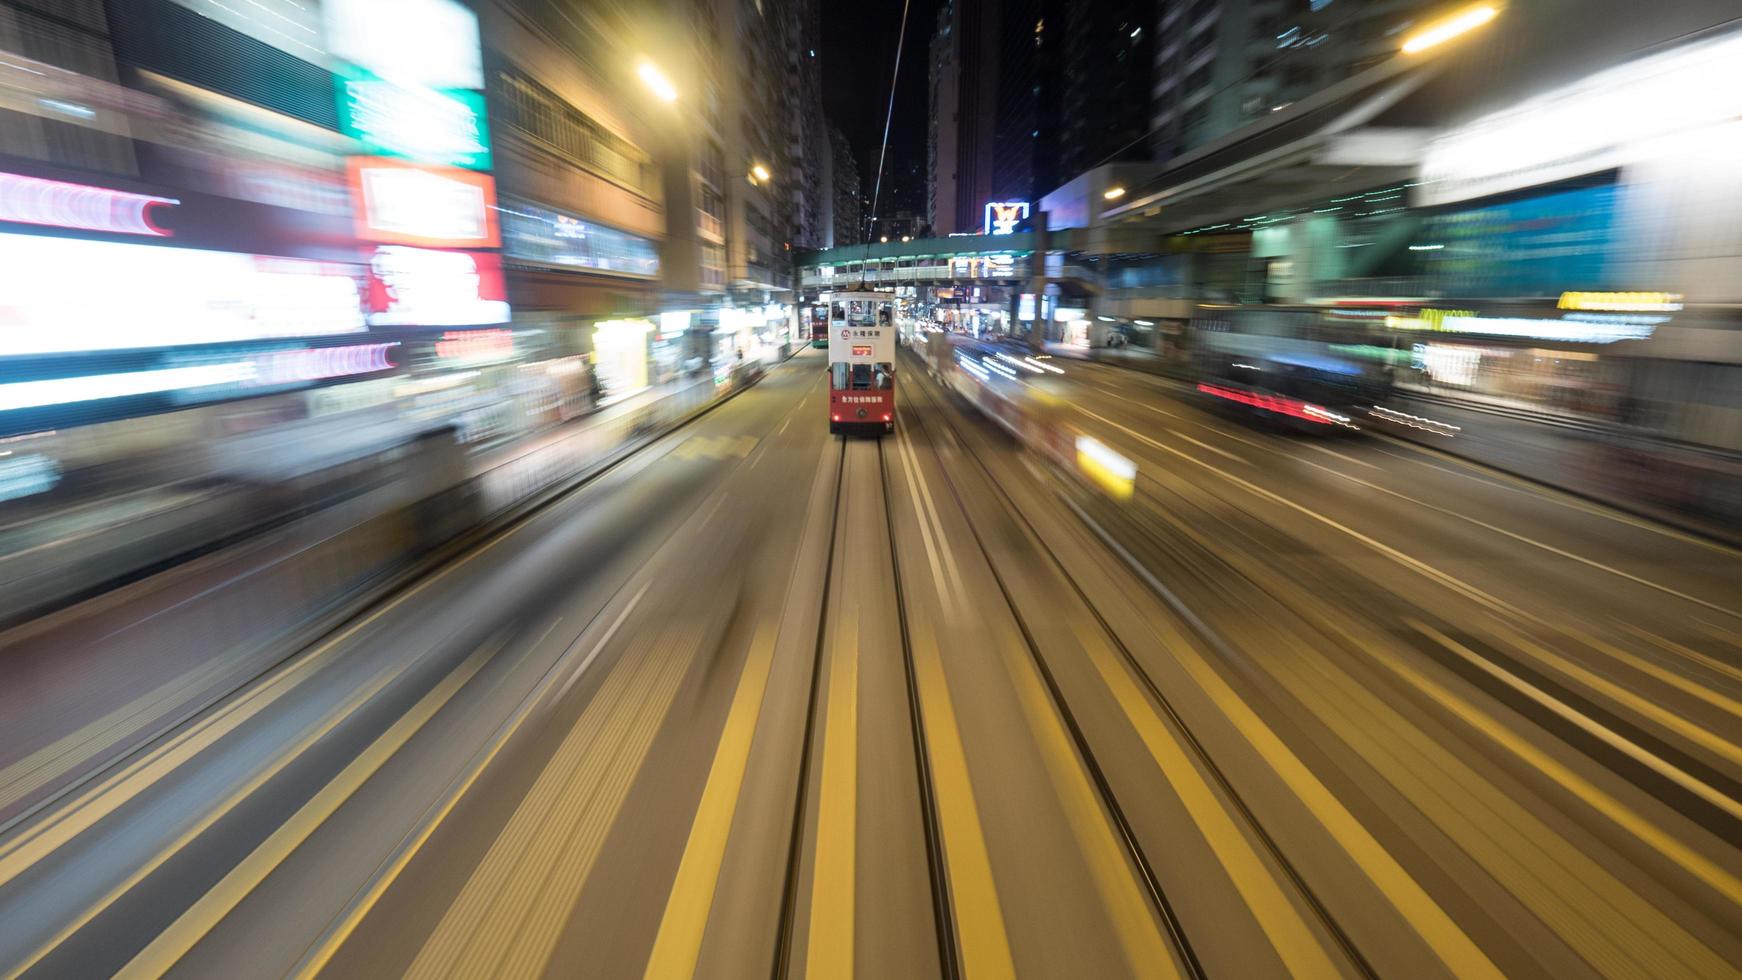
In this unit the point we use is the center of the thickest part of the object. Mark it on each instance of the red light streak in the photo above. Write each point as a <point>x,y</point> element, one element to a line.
<point>1269,403</point>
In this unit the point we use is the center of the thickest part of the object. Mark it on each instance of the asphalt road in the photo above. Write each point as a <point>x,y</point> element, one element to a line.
<point>764,701</point>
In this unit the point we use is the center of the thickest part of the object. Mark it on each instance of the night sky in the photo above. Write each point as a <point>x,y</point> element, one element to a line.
<point>859,39</point>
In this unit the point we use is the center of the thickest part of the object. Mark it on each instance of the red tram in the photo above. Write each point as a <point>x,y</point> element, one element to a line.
<point>861,363</point>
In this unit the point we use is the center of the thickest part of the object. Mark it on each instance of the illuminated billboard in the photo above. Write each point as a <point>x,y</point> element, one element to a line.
<point>439,126</point>
<point>430,288</point>
<point>68,295</point>
<point>404,203</point>
<point>413,42</point>
<point>531,233</point>
<point>1002,217</point>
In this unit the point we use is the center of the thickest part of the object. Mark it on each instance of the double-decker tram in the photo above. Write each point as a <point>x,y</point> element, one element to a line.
<point>817,324</point>
<point>861,363</point>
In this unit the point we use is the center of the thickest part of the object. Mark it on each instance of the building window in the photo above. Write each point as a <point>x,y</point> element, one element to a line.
<point>540,114</point>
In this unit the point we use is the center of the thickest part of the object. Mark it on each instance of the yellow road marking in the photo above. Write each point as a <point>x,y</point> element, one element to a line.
<point>287,753</point>
<point>1619,813</point>
<point>508,916</point>
<point>980,933</point>
<point>678,944</point>
<point>1425,916</point>
<point>1697,689</point>
<point>321,952</point>
<point>111,793</point>
<point>829,946</point>
<point>1146,952</point>
<point>1565,711</point>
<point>200,918</point>
<point>1712,663</point>
<point>681,928</point>
<point>1295,942</point>
<point>55,758</point>
<point>1570,892</point>
<point>1666,718</point>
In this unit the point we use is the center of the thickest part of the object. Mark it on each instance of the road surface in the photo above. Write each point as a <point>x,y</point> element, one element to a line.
<point>761,701</point>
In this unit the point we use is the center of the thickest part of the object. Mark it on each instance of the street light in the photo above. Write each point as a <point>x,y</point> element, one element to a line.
<point>1443,31</point>
<point>884,239</point>
<point>907,238</point>
<point>656,81</point>
<point>1113,193</point>
<point>758,173</point>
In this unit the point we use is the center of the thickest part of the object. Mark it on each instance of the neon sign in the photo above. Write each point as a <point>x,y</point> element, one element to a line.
<point>1003,216</point>
<point>57,204</point>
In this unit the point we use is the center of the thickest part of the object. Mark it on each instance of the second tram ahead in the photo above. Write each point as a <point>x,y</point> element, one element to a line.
<point>861,363</point>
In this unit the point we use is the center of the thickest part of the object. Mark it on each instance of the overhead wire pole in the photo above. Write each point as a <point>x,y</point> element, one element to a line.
<point>888,117</point>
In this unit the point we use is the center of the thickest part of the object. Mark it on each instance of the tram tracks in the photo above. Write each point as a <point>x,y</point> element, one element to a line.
<point>787,959</point>
<point>1164,907</point>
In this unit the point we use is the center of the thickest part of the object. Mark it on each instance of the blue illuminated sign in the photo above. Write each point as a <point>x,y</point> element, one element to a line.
<point>538,234</point>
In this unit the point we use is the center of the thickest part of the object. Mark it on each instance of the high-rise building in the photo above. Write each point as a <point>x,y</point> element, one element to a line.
<point>1026,145</point>
<point>810,135</point>
<point>964,113</point>
<point>846,193</point>
<point>943,105</point>
<point>1107,78</point>
<point>76,40</point>
<point>1220,64</point>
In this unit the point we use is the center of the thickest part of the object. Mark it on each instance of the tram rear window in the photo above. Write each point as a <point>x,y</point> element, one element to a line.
<point>862,377</point>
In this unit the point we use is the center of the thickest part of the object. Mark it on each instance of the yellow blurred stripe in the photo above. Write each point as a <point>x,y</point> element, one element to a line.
<point>1671,847</point>
<point>980,933</point>
<point>1687,685</point>
<point>31,772</point>
<point>508,916</point>
<point>199,919</point>
<point>1146,951</point>
<point>111,793</point>
<point>1295,942</point>
<point>1691,951</point>
<point>679,942</point>
<point>1425,916</point>
<point>290,751</point>
<point>1590,725</point>
<point>1681,649</point>
<point>829,946</point>
<point>1597,915</point>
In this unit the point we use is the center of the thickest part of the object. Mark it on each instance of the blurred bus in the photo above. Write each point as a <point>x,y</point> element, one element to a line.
<point>1311,368</point>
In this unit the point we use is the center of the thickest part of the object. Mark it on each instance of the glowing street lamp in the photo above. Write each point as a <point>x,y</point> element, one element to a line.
<point>1113,193</point>
<point>759,174</point>
<point>656,81</point>
<point>1443,31</point>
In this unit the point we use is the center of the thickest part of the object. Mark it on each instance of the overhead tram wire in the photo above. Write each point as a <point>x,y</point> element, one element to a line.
<point>888,117</point>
